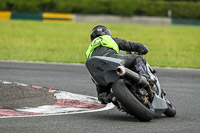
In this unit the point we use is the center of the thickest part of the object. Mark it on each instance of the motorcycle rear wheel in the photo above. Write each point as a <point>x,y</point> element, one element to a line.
<point>132,105</point>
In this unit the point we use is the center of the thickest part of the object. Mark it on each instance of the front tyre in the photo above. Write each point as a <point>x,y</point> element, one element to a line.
<point>171,111</point>
<point>131,104</point>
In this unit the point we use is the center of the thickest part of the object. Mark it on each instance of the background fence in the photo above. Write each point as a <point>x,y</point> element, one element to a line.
<point>69,17</point>
<point>62,17</point>
<point>187,9</point>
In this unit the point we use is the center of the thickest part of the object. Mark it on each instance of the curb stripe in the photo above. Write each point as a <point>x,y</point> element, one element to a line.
<point>56,19</point>
<point>57,15</point>
<point>46,16</point>
<point>28,16</point>
<point>107,107</point>
<point>67,103</point>
<point>5,14</point>
<point>50,20</point>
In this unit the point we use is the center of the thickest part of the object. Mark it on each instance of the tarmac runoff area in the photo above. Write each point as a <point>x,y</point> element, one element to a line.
<point>22,100</point>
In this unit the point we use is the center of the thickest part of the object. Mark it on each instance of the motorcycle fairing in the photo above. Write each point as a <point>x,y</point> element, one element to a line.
<point>159,103</point>
<point>103,69</point>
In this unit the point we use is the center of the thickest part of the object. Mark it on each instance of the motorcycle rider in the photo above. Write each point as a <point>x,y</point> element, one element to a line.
<point>103,44</point>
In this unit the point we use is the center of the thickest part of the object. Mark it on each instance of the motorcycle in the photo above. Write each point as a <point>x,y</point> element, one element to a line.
<point>137,95</point>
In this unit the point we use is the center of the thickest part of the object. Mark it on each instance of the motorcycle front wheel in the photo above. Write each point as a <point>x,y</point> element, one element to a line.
<point>131,104</point>
<point>171,111</point>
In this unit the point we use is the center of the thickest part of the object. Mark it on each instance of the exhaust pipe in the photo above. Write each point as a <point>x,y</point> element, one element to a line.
<point>125,72</point>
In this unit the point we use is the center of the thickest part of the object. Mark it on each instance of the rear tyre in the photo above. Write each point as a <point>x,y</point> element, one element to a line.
<point>131,104</point>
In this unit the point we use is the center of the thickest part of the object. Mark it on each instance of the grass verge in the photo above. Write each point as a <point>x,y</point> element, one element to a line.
<point>170,46</point>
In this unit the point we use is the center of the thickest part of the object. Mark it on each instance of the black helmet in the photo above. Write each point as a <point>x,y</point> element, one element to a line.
<point>99,30</point>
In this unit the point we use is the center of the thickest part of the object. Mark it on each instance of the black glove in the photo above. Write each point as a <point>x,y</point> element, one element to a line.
<point>143,50</point>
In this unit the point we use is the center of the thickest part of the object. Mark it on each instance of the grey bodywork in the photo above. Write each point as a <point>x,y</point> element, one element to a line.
<point>103,72</point>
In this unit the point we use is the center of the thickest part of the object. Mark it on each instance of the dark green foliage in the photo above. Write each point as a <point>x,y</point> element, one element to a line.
<point>179,8</point>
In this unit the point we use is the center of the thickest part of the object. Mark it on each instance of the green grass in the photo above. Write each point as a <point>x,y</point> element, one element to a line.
<point>170,46</point>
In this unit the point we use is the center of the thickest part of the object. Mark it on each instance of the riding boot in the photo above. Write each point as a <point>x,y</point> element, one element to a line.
<point>103,94</point>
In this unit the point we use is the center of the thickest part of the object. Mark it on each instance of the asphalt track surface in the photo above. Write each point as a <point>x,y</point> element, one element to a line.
<point>182,87</point>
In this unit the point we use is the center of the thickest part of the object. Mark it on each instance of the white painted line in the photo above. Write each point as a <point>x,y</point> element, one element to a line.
<point>42,62</point>
<point>82,64</point>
